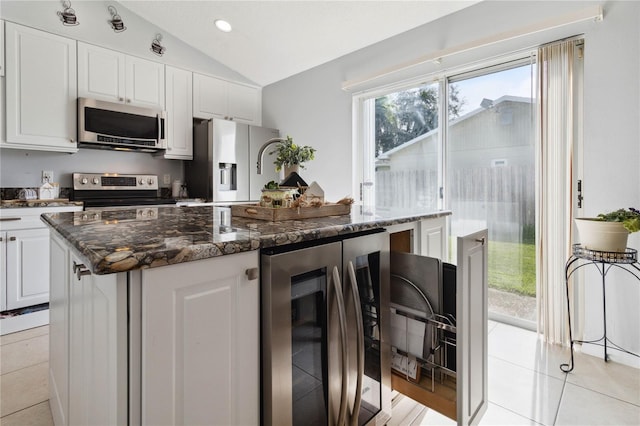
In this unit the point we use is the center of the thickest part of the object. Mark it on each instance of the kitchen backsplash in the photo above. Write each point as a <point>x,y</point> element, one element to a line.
<point>12,193</point>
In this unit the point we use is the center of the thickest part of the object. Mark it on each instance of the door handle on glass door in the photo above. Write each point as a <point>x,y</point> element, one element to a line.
<point>353,284</point>
<point>337,291</point>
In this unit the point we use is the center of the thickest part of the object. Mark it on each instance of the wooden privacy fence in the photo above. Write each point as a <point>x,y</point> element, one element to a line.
<point>502,197</point>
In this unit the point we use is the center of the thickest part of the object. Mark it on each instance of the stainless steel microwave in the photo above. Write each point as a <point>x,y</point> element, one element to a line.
<point>116,126</point>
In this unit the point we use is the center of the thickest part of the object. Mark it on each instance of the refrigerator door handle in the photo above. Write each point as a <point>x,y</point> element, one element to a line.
<point>337,291</point>
<point>353,284</point>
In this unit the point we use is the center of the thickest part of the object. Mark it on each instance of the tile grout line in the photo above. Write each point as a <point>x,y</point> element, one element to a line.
<point>603,394</point>
<point>25,408</point>
<point>527,368</point>
<point>23,368</point>
<point>564,386</point>
<point>516,413</point>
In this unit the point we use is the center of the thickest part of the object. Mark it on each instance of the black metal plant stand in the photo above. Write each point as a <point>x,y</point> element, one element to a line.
<point>603,261</point>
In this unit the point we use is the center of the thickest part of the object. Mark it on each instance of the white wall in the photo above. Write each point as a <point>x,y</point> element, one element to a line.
<point>21,168</point>
<point>312,108</point>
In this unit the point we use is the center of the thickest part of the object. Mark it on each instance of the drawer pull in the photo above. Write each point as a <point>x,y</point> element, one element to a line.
<point>12,238</point>
<point>8,219</point>
<point>251,211</point>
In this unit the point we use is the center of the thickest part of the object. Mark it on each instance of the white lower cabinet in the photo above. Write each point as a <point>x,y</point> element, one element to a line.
<point>87,342</point>
<point>200,343</point>
<point>172,345</point>
<point>27,267</point>
<point>24,258</point>
<point>460,389</point>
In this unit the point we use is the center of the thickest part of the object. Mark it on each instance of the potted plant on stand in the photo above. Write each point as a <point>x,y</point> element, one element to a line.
<point>609,231</point>
<point>291,156</point>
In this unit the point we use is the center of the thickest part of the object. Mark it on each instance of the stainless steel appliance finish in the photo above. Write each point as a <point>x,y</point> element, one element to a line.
<point>325,324</point>
<point>113,190</point>
<point>224,158</point>
<point>108,125</point>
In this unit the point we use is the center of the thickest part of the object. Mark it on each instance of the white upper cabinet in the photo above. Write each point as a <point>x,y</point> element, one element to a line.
<point>1,48</point>
<point>216,98</point>
<point>112,76</point>
<point>144,82</point>
<point>41,90</point>
<point>243,103</point>
<point>179,121</point>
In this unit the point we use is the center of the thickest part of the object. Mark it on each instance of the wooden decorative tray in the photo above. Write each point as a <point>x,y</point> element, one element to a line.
<point>277,214</point>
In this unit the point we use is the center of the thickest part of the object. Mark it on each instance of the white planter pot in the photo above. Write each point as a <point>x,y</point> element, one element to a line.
<point>602,236</point>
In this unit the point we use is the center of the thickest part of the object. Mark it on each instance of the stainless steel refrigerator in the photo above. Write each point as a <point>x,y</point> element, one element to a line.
<point>225,155</point>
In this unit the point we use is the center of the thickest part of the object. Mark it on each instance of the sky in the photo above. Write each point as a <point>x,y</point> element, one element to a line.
<point>513,82</point>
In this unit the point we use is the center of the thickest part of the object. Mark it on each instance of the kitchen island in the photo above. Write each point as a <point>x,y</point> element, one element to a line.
<point>128,239</point>
<point>155,311</point>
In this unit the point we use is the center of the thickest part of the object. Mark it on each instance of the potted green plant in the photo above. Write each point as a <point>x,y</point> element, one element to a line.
<point>291,156</point>
<point>608,231</point>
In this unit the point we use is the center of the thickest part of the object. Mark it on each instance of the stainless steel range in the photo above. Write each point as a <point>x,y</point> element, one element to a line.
<point>104,190</point>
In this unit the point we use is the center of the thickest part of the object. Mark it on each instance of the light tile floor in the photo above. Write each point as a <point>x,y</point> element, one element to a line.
<point>526,386</point>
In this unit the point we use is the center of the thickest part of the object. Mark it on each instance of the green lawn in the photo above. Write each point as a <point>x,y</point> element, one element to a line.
<point>512,267</point>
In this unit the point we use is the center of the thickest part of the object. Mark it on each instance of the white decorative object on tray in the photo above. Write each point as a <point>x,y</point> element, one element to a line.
<point>315,191</point>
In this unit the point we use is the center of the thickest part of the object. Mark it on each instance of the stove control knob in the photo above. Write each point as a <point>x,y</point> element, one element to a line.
<point>141,181</point>
<point>95,181</point>
<point>150,181</point>
<point>84,181</point>
<point>84,216</point>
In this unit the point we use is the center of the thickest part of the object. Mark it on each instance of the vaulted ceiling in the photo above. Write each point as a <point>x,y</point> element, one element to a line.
<point>273,40</point>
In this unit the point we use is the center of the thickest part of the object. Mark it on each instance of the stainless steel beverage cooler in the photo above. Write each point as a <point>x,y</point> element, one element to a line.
<point>324,332</point>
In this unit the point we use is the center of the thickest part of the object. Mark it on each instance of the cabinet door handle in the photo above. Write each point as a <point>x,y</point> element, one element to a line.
<point>12,238</point>
<point>121,99</point>
<point>80,270</point>
<point>252,274</point>
<point>8,219</point>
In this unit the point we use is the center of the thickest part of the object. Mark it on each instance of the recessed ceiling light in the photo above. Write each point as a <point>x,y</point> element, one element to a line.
<point>223,25</point>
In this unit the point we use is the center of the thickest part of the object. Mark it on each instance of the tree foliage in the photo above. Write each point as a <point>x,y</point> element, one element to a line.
<point>405,115</point>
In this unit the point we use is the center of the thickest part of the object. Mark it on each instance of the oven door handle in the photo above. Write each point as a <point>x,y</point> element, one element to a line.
<point>342,324</point>
<point>353,289</point>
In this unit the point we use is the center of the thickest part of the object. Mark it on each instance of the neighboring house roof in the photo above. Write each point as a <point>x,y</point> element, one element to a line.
<point>506,98</point>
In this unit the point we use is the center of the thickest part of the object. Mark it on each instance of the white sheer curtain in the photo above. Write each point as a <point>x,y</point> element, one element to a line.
<point>554,154</point>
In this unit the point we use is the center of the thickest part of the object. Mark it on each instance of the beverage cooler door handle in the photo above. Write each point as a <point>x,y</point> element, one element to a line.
<point>337,291</point>
<point>353,284</point>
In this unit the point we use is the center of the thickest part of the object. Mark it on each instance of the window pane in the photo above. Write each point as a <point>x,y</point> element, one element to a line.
<point>491,181</point>
<point>407,149</point>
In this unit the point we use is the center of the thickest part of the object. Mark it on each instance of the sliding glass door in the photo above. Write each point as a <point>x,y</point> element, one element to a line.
<point>477,160</point>
<point>490,180</point>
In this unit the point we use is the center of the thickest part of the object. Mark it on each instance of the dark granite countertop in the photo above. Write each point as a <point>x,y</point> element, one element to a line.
<point>128,239</point>
<point>20,204</point>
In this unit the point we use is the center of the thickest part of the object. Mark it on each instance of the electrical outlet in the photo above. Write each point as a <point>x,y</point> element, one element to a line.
<point>166,179</point>
<point>47,176</point>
